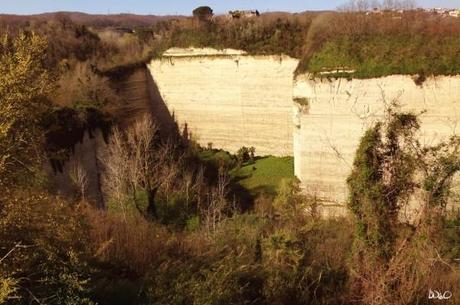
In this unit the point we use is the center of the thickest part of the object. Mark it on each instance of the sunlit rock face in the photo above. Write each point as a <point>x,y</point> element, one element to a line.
<point>229,98</point>
<point>232,99</point>
<point>335,113</point>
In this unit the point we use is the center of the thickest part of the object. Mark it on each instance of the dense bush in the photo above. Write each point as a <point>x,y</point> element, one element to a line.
<point>43,242</point>
<point>390,166</point>
<point>203,13</point>
<point>268,34</point>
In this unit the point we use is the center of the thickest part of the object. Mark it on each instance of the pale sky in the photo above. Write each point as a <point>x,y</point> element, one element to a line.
<point>182,7</point>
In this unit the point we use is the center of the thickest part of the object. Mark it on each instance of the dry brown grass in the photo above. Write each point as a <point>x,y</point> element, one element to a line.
<point>132,242</point>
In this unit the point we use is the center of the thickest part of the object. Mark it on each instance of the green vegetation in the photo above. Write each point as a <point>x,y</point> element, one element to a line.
<point>340,44</point>
<point>347,44</point>
<point>265,174</point>
<point>390,166</point>
<point>217,157</point>
<point>386,54</point>
<point>260,176</point>
<point>268,34</point>
<point>25,85</point>
<point>365,46</point>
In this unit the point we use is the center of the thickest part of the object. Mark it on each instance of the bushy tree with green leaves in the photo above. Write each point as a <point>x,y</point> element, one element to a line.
<point>24,87</point>
<point>393,258</point>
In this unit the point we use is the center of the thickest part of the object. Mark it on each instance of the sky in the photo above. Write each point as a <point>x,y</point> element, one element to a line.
<point>182,7</point>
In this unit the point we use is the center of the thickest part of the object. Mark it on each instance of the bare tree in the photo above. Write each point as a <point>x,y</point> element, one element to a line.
<point>79,178</point>
<point>152,163</point>
<point>366,5</point>
<point>356,6</point>
<point>218,204</point>
<point>116,171</point>
<point>137,160</point>
<point>398,4</point>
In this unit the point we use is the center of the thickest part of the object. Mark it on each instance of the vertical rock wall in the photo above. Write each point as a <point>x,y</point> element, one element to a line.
<point>231,99</point>
<point>337,112</point>
<point>138,96</point>
<point>228,98</point>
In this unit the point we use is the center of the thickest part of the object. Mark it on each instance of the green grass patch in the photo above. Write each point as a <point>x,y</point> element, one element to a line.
<point>265,174</point>
<point>262,176</point>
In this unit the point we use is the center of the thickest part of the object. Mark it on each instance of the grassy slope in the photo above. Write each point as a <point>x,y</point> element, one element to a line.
<point>261,177</point>
<point>265,175</point>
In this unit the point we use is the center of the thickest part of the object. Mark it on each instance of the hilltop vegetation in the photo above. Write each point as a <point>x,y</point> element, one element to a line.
<point>267,34</point>
<point>378,45</point>
<point>369,45</point>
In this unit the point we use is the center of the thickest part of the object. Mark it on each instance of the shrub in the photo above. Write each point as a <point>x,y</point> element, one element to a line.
<point>24,86</point>
<point>391,263</point>
<point>242,155</point>
<point>48,258</point>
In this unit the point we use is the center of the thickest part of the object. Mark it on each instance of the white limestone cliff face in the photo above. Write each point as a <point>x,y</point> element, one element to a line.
<point>232,99</point>
<point>339,111</point>
<point>228,98</point>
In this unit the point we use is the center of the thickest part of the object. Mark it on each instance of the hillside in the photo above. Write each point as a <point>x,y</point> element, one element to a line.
<point>97,20</point>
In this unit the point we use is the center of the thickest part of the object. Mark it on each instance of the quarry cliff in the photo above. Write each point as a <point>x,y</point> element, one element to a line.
<point>231,99</point>
<point>335,113</point>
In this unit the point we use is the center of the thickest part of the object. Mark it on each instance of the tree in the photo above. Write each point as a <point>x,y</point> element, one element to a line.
<point>391,166</point>
<point>242,155</point>
<point>24,87</point>
<point>203,13</point>
<point>217,206</point>
<point>366,5</point>
<point>79,178</point>
<point>290,203</point>
<point>43,251</point>
<point>137,161</point>
<point>64,19</point>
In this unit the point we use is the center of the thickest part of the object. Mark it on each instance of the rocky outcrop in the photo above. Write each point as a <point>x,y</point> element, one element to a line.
<point>229,98</point>
<point>332,115</point>
<point>138,96</point>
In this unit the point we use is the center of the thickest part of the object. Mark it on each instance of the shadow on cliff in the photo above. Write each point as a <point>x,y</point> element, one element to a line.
<point>75,137</point>
<point>165,120</point>
<point>139,95</point>
<point>72,142</point>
